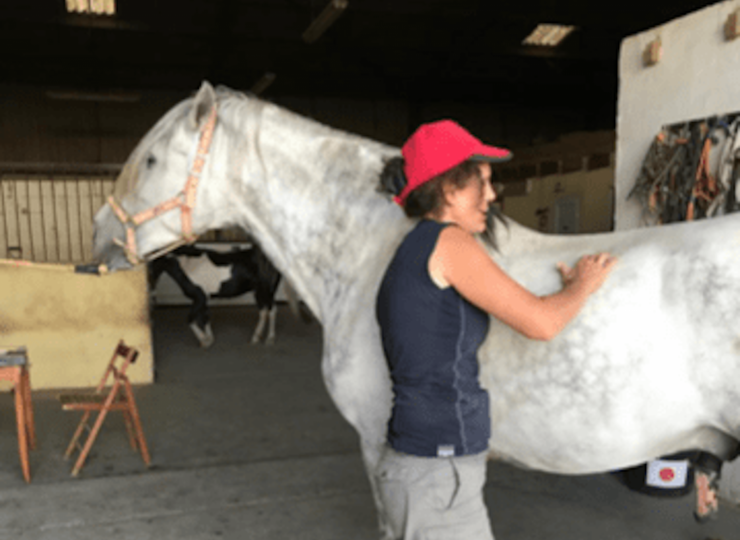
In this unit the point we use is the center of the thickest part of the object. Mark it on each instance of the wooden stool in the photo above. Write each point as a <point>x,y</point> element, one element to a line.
<point>14,368</point>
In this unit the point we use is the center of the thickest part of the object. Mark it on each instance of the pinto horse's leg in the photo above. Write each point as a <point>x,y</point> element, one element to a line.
<point>257,336</point>
<point>198,318</point>
<point>271,329</point>
<point>268,280</point>
<point>204,336</point>
<point>268,297</point>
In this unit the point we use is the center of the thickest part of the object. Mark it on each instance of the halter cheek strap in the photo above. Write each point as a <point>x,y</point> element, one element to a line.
<point>184,200</point>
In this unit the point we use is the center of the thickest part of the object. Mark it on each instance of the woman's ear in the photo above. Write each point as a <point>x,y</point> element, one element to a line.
<point>448,191</point>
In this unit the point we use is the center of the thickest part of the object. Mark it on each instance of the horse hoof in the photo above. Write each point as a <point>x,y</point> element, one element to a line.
<point>706,518</point>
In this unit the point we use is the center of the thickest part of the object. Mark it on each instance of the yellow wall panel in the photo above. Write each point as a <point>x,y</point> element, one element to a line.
<point>71,322</point>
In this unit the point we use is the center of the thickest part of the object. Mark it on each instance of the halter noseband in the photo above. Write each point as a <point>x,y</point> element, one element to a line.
<point>185,200</point>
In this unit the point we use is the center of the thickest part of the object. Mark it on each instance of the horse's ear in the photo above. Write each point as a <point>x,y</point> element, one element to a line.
<point>203,102</point>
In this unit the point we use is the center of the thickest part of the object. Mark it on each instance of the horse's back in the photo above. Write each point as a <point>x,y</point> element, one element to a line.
<point>642,370</point>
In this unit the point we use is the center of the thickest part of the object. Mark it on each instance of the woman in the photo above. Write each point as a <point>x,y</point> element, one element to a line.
<point>433,308</point>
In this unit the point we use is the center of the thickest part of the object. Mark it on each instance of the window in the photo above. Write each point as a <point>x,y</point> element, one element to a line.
<point>548,35</point>
<point>95,7</point>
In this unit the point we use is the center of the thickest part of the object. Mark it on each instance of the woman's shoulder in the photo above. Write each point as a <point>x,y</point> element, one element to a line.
<point>457,248</point>
<point>453,236</point>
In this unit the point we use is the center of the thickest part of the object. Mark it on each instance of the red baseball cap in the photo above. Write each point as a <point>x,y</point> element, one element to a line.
<point>438,147</point>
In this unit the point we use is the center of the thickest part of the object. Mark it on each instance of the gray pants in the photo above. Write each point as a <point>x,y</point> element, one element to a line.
<point>433,498</point>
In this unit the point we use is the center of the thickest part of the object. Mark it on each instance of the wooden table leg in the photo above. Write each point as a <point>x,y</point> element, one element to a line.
<point>30,424</point>
<point>21,419</point>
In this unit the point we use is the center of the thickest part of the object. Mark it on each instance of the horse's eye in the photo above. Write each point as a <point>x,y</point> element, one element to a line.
<point>150,162</point>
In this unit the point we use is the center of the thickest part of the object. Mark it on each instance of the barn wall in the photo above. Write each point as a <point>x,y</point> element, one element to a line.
<point>592,189</point>
<point>697,77</point>
<point>49,218</point>
<point>37,129</point>
<point>59,157</point>
<point>71,322</point>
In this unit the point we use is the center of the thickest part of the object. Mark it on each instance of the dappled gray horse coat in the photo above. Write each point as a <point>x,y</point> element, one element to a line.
<point>650,366</point>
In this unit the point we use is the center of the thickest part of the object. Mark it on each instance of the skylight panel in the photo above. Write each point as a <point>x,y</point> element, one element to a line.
<point>548,35</point>
<point>93,7</point>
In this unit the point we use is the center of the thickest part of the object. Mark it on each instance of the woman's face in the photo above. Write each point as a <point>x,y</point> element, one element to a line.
<point>468,206</point>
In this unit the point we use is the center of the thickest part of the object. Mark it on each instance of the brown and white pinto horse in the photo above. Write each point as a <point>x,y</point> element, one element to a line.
<point>245,270</point>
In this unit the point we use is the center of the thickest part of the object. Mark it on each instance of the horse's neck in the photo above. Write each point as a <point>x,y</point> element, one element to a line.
<point>310,202</point>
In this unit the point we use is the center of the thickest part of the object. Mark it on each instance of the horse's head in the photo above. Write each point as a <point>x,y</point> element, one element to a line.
<point>152,207</point>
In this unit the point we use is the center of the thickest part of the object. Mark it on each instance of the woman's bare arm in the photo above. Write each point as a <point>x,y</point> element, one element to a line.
<point>466,266</point>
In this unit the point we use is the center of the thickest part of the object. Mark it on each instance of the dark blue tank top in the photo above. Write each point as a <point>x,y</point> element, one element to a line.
<point>431,338</point>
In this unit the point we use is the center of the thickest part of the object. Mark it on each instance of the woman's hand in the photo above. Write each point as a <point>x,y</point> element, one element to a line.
<point>466,266</point>
<point>589,272</point>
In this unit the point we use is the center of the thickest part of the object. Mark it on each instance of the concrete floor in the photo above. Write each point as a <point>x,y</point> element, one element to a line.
<point>247,445</point>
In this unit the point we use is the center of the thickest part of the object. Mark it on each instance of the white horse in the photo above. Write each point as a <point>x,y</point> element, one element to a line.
<point>649,368</point>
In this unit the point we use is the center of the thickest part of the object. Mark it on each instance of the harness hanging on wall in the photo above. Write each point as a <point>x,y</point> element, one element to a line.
<point>690,171</point>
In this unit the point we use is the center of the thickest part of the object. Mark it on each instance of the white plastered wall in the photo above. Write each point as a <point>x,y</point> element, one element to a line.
<point>698,76</point>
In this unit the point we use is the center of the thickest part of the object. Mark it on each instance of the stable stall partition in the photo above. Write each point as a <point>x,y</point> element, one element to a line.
<point>49,217</point>
<point>70,321</point>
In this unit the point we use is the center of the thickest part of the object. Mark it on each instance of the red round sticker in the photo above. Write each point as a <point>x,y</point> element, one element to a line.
<point>667,474</point>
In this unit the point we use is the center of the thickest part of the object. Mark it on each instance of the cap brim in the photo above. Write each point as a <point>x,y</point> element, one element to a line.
<point>494,155</point>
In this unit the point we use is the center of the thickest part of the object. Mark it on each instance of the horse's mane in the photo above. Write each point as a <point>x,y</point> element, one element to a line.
<point>234,98</point>
<point>495,217</point>
<point>223,92</point>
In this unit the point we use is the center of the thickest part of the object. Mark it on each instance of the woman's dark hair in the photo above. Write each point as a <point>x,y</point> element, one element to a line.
<point>392,178</point>
<point>428,197</point>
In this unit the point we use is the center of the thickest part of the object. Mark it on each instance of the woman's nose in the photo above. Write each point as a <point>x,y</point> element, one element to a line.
<point>490,193</point>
